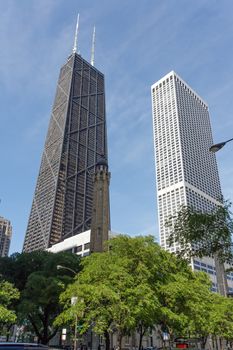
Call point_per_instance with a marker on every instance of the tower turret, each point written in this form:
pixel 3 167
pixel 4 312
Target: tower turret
pixel 100 223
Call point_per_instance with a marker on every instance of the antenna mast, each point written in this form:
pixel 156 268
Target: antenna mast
pixel 76 36
pixel 93 48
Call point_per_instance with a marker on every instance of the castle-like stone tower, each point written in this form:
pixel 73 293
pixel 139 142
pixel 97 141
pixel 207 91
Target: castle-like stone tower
pixel 100 224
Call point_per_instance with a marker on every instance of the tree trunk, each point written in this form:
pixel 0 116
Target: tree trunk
pixel 119 340
pixel 221 276
pixel 8 332
pixel 216 342
pixel 44 336
pixel 140 342
pixel 203 341
pixel 107 340
pixel 141 334
pixel 170 337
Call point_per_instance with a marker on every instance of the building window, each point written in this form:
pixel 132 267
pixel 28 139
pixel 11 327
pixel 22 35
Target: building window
pixel 86 254
pixel 78 249
pixel 87 246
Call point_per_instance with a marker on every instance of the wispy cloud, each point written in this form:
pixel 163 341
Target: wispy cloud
pixel 135 46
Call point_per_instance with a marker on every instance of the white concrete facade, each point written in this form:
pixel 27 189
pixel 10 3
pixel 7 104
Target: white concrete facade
pixel 186 172
pixel 78 244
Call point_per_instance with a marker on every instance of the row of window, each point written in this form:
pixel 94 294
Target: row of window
pixel 78 249
pixel 186 88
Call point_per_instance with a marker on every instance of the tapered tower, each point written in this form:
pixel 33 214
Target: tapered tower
pixel 101 213
pixel 75 142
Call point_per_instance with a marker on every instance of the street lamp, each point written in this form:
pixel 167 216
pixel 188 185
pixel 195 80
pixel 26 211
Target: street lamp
pixel 73 302
pixel 220 269
pixel 216 147
pixel 59 267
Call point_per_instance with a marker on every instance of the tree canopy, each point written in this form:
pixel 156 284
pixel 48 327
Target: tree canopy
pixel 203 234
pixel 134 286
pixel 8 294
pixel 40 284
pixel 222 317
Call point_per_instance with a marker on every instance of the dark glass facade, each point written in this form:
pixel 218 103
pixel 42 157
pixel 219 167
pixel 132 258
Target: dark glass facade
pixel 76 140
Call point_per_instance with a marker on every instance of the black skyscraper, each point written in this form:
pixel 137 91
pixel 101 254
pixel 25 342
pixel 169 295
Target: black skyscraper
pixel 76 140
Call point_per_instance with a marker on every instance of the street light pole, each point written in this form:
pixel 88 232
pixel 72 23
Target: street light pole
pixel 75 332
pixel 59 267
pixel 219 266
pixel 217 146
pixel 73 302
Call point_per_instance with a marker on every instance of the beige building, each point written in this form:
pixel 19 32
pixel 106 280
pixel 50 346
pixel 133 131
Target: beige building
pixel 5 236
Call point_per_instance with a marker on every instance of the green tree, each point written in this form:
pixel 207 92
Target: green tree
pixel 8 294
pixel 121 289
pixel 136 285
pixel 186 304
pixel 18 267
pixel 203 234
pixel 221 315
pixel 108 298
pixel 40 283
pixel 147 260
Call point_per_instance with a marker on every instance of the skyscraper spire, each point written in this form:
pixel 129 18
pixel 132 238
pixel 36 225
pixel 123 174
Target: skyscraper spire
pixel 76 36
pixel 93 48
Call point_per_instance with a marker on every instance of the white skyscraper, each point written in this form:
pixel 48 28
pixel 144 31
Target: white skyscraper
pixel 186 171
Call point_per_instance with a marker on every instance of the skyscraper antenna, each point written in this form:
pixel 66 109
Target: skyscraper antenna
pixel 93 48
pixel 76 36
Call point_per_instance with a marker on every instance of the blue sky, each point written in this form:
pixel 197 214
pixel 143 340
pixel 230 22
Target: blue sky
pixel 137 42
